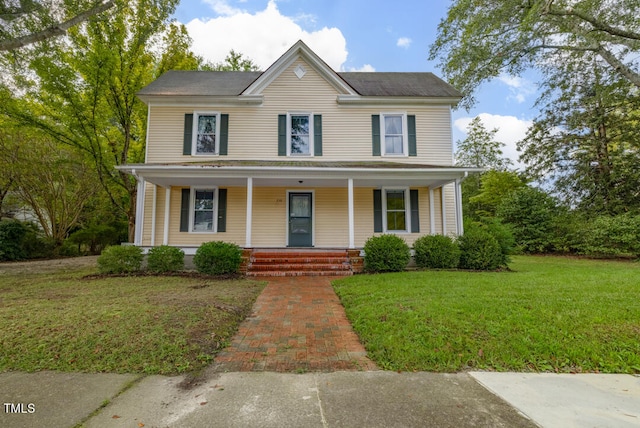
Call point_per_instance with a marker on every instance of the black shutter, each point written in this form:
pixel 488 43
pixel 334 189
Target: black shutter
pixel 411 124
pixel 224 134
pixel 377 210
pixel 222 210
pixel 282 135
pixel 317 135
pixel 184 210
pixel 415 213
pixel 375 134
pixel 188 134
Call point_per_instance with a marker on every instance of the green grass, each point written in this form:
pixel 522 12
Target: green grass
pixel 140 324
pixel 549 314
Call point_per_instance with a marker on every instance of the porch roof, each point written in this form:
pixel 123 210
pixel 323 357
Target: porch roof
pixel 297 173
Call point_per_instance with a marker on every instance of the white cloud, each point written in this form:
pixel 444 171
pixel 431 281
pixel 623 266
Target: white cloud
pixel 222 7
pixel 520 88
pixel 263 36
pixel 510 131
pixel 404 42
pixel 365 68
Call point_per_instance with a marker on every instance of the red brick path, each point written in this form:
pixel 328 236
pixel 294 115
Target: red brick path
pixel 297 324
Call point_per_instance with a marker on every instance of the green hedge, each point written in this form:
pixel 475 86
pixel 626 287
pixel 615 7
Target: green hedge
pixel 218 258
pixel 164 259
pixel 479 250
pixel 436 252
pixel 120 259
pixel 386 253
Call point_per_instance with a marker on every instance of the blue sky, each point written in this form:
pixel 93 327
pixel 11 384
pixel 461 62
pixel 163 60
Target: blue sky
pixel 353 35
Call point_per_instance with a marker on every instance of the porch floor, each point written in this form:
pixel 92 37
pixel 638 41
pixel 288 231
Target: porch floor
pixel 297 324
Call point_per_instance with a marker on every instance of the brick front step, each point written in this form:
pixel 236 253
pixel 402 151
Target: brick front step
pixel 299 266
pixel 299 273
pixel 288 262
pixel 298 260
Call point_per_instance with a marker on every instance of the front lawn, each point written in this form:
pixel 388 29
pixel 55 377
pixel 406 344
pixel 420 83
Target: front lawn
pixel 141 324
pixel 549 314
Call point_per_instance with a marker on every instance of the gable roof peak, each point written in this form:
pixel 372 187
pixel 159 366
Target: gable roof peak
pixel 299 50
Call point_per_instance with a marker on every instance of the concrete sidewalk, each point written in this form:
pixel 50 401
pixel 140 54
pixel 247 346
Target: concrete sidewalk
pixel 339 399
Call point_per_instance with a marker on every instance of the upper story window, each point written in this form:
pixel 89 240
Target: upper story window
pixel 394 134
pixel 206 133
pixel 300 134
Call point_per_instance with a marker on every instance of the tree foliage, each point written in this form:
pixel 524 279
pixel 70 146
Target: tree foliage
pixel 82 90
pixel 234 61
pixel 495 186
pixel 480 149
pixel 53 181
pixel 584 141
pixel 30 21
pixel 479 40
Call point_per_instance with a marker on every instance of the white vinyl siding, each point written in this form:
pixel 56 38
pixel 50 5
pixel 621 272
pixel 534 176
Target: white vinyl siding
pixel 346 130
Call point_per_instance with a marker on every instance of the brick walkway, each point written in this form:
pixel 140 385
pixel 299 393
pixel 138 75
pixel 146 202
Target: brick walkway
pixel 297 324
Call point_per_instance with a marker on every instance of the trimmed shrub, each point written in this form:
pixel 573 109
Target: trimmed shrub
pixel 12 236
pixel 386 253
pixel 165 259
pixel 120 259
pixel 479 250
pixel 218 258
pixel 503 234
pixel 436 252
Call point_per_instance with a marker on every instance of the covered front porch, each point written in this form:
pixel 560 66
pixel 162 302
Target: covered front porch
pixel 294 204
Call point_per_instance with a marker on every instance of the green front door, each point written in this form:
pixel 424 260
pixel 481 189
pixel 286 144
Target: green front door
pixel 300 220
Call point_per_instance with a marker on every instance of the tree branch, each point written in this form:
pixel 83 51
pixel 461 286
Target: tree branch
pixel 619 66
pixel 598 25
pixel 54 31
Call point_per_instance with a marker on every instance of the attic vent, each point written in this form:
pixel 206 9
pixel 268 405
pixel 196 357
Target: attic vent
pixel 300 71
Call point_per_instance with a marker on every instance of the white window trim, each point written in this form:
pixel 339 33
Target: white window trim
pixel 311 134
pixel 192 209
pixel 405 134
pixel 407 209
pixel 194 132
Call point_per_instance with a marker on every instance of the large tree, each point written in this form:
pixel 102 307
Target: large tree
pixel 53 181
pixel 479 149
pixel 585 139
pixel 30 21
pixel 479 40
pixel 83 93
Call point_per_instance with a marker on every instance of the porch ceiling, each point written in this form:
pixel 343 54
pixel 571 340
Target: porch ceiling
pixel 300 175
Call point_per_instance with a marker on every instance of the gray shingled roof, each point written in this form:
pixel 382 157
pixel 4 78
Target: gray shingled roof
pixel 232 83
pixel 208 83
pixel 399 84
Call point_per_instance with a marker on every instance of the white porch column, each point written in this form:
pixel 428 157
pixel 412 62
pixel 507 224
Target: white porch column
pixel 154 208
pixel 352 233
pixel 443 200
pixel 459 221
pixel 167 208
pixel 432 212
pixel 249 212
pixel 137 240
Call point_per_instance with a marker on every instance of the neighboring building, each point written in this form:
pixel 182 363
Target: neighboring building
pixel 296 156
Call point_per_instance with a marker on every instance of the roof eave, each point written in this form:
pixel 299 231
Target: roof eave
pixel 406 100
pixel 201 100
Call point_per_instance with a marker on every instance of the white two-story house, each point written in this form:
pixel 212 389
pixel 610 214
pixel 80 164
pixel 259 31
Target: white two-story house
pixel 297 156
